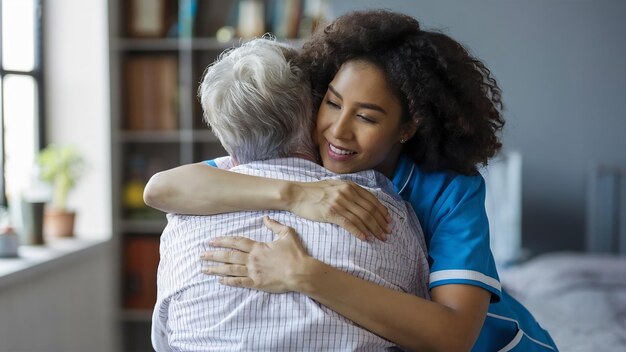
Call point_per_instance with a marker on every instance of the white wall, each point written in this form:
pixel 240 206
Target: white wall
pixel 77 98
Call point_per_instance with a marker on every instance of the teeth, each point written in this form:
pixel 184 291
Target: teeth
pixel 340 151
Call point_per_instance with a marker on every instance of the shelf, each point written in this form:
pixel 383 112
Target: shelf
pixel 173 44
pixel 156 125
pixel 161 44
pixel 205 136
pixel 206 44
pixel 57 253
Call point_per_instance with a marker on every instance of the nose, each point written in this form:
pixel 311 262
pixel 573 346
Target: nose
pixel 342 127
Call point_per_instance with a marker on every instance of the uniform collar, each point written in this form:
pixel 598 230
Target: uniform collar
pixel 403 173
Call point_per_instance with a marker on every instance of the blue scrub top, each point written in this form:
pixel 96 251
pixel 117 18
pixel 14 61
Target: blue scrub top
pixel 451 210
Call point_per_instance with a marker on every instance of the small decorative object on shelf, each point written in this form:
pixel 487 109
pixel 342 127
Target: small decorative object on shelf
pixel 132 191
pixel 9 241
pixel 62 167
pixel 32 222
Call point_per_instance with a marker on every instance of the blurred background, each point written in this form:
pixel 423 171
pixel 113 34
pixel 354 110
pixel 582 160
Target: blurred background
pixel 116 81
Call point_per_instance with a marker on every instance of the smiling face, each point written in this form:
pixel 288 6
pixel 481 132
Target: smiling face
pixel 359 123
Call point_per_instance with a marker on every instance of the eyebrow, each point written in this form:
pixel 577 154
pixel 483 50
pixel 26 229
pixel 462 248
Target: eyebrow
pixel 360 104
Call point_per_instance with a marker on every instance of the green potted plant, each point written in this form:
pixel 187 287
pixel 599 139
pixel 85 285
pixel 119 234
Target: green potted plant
pixel 61 166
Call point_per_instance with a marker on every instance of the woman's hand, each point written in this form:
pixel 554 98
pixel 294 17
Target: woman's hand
pixel 343 203
pixel 274 267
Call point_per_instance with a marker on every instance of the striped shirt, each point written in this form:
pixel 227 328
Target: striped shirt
pixel 195 313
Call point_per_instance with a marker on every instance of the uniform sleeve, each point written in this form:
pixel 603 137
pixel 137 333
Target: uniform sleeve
pixel 224 162
pixel 459 247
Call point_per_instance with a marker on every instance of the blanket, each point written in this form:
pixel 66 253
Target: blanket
pixel 579 298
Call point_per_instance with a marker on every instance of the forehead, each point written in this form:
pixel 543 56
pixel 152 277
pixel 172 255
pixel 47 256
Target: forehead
pixel 364 82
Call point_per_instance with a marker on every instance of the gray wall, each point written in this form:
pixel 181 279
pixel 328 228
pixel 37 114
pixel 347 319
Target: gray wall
pixel 562 67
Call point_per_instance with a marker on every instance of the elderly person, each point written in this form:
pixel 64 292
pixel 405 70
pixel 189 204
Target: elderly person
pixel 258 103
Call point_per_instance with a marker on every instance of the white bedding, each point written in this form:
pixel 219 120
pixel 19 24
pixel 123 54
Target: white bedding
pixel 579 298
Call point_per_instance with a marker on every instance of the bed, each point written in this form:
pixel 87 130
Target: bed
pixel 580 298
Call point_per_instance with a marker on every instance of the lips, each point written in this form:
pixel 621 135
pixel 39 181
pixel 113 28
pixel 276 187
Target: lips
pixel 340 151
pixel 339 154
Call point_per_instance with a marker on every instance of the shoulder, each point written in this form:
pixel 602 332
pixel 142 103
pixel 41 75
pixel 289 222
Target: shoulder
pixel 448 185
pixel 456 188
pixel 290 169
pixel 434 194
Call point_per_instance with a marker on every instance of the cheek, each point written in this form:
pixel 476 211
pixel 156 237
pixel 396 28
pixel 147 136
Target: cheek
pixel 321 124
pixel 378 145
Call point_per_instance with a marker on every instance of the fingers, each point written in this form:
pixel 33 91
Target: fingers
pixel 358 217
pixel 237 282
pixel 361 210
pixel 229 257
pixel 233 242
pixel 227 270
pixel 373 204
pixel 232 275
pixel 353 227
pixel 276 227
pixel 273 225
pixel 373 212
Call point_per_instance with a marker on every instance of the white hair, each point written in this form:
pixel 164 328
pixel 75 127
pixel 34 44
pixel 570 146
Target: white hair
pixel 258 103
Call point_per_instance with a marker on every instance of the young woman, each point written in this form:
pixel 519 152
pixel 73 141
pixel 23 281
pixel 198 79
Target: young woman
pixel 417 107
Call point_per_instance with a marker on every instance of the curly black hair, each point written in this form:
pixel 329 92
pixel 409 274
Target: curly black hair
pixel 450 94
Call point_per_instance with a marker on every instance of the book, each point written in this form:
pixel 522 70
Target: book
pixel 141 261
pixel 148 18
pixel 251 18
pixel 285 18
pixel 150 93
pixel 186 17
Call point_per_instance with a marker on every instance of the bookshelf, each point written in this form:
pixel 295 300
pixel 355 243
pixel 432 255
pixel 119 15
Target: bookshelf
pixel 158 52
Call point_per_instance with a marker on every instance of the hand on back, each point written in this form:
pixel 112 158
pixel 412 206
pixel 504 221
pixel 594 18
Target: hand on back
pixel 343 203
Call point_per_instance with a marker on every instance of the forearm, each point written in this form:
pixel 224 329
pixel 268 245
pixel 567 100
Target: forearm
pixel 200 189
pixel 405 319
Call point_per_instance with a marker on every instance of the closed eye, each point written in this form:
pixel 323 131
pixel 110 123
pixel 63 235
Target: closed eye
pixel 366 119
pixel 332 104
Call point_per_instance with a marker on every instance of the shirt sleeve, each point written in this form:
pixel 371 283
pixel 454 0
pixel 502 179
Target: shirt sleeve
pixel 459 247
pixel 159 335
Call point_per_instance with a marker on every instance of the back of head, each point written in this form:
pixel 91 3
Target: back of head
pixel 447 92
pixel 258 102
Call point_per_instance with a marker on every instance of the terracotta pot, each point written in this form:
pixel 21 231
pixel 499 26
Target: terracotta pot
pixel 58 223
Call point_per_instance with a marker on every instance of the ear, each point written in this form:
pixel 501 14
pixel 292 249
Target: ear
pixel 408 131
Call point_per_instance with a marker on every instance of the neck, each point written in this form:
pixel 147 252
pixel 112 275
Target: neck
pixel 388 166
